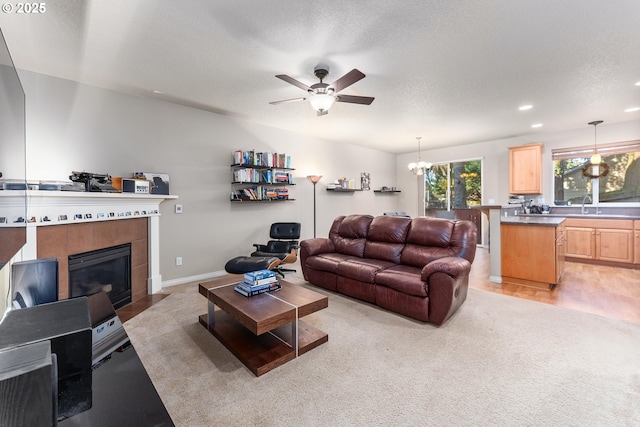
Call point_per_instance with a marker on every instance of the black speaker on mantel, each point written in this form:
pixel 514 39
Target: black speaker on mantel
pixel 66 325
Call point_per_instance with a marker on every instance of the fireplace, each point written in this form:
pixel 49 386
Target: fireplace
pixel 103 270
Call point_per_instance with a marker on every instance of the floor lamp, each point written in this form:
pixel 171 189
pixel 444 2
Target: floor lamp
pixel 314 180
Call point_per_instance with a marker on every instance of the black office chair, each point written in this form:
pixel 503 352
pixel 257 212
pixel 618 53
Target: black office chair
pixel 285 247
pixel 282 250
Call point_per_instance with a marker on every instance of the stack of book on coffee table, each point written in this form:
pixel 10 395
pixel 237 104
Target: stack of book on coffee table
pixel 257 282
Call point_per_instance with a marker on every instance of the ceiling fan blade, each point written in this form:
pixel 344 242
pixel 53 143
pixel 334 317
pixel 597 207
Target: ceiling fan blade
pixel 284 101
pixel 352 99
pixel 293 81
pixel 347 80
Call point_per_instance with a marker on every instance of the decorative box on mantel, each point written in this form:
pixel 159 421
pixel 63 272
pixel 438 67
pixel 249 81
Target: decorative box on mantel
pixel 54 208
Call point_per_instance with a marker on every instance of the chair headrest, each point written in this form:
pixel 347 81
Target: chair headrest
pixel 285 230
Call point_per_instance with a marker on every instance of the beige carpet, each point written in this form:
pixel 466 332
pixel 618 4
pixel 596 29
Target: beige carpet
pixel 499 361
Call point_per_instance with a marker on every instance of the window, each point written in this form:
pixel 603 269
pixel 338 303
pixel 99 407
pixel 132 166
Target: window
pixel 620 185
pixel 450 186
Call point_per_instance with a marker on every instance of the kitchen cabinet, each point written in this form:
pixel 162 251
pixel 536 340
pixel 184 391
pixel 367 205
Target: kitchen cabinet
pixel 561 250
pixel 532 254
pixel 636 239
pixel 601 239
pixel 581 242
pixel 525 169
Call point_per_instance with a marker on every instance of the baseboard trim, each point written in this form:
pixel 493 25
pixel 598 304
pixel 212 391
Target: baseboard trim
pixel 196 278
pixel 495 279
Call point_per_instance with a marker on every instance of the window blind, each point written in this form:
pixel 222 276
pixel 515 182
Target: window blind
pixel 603 149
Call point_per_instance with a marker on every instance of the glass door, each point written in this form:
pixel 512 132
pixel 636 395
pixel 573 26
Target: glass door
pixel 452 186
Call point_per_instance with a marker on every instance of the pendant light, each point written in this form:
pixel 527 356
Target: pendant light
pixel 596 159
pixel 596 168
pixel 418 167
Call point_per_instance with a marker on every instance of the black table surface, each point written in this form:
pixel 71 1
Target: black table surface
pixel 123 395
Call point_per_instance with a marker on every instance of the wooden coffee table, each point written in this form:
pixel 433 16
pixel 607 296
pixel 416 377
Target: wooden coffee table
pixel 263 331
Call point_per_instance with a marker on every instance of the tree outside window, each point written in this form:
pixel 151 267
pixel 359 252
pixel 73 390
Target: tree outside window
pixel 620 185
pixel 455 185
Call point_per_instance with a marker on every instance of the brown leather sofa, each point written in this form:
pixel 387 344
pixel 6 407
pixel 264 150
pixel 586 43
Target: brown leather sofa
pixel 416 267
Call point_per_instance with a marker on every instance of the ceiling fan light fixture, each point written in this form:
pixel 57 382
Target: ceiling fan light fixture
pixel 323 95
pixel 321 102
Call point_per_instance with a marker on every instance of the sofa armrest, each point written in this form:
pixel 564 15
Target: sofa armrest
pixel 316 246
pixel 448 282
pixel 453 266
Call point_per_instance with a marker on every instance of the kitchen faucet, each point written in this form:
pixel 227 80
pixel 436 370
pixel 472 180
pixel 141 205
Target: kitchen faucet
pixel 586 196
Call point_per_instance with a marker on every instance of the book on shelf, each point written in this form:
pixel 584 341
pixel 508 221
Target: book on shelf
pixel 251 292
pixel 264 159
pixel 282 193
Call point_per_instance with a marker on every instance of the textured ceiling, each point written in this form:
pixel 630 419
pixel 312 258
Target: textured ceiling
pixel 451 71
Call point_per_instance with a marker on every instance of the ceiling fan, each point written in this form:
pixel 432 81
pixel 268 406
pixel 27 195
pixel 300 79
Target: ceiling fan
pixel 323 95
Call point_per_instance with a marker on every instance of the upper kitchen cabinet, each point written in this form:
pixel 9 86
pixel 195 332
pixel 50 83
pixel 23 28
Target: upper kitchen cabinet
pixel 525 169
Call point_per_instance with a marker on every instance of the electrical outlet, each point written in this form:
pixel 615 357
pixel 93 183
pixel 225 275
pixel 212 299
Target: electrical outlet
pixel 178 209
pixel 179 260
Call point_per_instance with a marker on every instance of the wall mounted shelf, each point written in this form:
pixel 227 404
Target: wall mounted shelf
pixel 262 201
pixel 263 182
pixel 344 190
pixel 387 191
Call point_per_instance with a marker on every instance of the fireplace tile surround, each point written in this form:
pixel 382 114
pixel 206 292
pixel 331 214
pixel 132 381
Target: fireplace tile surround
pixel 107 219
pixel 70 239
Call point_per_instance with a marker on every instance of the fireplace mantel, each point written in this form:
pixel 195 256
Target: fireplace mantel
pixel 52 208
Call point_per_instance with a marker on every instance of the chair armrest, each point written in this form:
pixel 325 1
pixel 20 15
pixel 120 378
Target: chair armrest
pixel 260 247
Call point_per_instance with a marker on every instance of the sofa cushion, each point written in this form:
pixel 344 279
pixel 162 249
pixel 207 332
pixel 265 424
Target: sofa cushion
pixel 352 235
pixel 362 269
pixel 386 238
pixel 427 239
pixel 327 262
pixel 403 278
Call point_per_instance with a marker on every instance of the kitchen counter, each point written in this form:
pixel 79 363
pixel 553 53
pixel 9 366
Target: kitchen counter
pixel 543 220
pixel 533 250
pixel 591 216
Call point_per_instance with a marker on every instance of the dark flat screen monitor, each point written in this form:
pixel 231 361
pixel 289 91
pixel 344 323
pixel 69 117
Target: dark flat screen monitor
pixel 34 282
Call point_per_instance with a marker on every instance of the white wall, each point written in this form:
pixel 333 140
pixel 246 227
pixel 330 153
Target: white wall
pixel 71 126
pixel 495 155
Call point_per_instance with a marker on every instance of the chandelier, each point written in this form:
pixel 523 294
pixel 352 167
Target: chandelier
pixel 418 167
pixel 595 168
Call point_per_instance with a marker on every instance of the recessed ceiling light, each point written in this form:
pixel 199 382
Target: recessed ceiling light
pixel 537 125
pixel 632 109
pixel 525 107
pixel 157 91
pixel 638 84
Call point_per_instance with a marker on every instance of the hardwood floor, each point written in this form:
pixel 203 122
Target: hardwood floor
pixel 607 291
pixel 129 311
